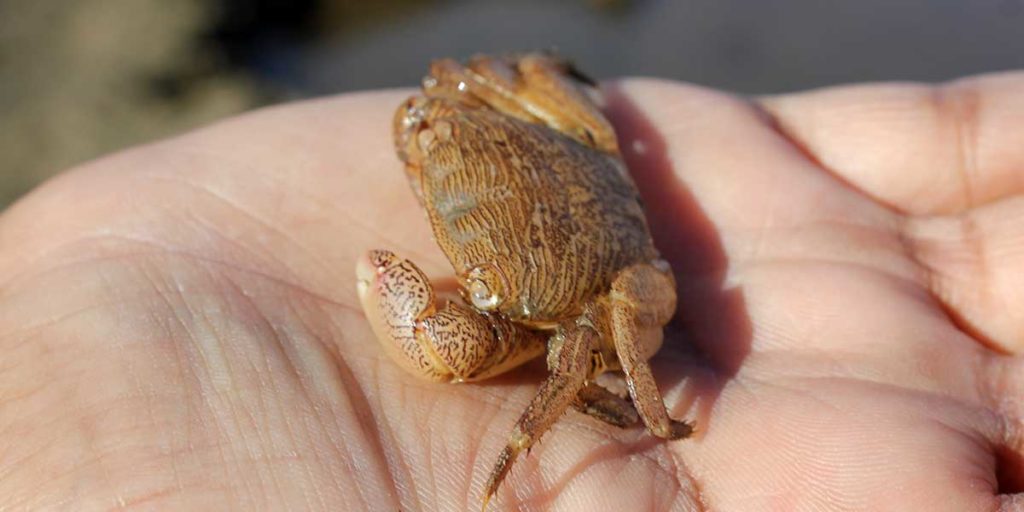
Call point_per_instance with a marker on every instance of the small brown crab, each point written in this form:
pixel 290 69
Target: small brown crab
pixel 523 184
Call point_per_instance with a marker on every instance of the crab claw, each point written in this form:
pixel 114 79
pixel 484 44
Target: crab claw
pixel 452 343
pixel 396 296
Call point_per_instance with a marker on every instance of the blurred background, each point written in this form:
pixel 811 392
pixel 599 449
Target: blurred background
pixel 80 78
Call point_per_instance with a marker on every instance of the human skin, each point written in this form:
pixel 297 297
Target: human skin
pixel 179 326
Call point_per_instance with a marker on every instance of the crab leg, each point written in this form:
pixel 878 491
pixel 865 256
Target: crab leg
pixel 532 88
pixel 453 342
pixel 551 90
pixel 596 401
pixel 642 300
pixel 569 352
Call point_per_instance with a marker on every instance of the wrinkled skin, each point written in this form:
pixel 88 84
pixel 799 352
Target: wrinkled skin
pixel 528 197
pixel 180 329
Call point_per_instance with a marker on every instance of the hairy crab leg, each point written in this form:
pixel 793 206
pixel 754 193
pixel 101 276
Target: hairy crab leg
pixel 569 353
pixel 642 300
pixel 450 343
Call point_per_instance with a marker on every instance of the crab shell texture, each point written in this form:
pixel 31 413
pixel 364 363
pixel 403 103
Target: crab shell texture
pixel 535 221
pixel 521 179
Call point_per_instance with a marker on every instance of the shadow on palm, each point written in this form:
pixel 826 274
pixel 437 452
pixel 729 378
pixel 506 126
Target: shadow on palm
pixel 711 332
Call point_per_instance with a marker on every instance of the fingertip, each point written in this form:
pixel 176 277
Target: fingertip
pixel 919 148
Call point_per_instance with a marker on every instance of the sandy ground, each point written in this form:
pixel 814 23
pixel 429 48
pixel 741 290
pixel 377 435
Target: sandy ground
pixel 82 78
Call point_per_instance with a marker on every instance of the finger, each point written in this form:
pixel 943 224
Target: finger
pixel 725 152
pixel 718 178
pixel 918 148
pixel 975 261
pixel 733 203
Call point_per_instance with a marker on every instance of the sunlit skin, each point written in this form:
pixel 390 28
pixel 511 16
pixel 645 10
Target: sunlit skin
pixel 180 327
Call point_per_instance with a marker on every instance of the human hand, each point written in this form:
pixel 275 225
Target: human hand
pixel 180 330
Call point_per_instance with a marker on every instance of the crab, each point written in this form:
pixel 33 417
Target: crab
pixel 523 184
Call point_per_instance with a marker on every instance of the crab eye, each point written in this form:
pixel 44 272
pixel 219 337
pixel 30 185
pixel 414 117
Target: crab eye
pixel 485 287
pixel 482 296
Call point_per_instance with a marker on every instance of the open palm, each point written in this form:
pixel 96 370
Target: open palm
pixel 179 327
